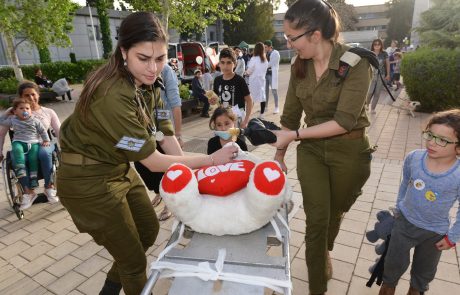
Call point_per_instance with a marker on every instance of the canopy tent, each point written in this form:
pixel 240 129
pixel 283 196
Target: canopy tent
pixel 243 45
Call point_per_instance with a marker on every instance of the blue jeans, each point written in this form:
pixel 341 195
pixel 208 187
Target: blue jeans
pixel 45 158
pixel 268 84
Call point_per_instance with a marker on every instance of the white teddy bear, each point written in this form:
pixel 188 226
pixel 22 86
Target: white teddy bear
pixel 236 198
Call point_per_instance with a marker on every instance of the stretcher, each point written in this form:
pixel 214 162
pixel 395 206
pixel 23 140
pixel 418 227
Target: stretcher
pixel 227 264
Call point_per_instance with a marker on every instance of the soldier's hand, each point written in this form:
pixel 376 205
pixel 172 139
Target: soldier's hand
pixel 225 154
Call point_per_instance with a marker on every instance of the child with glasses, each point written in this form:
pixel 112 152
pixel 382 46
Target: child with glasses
pixel 429 189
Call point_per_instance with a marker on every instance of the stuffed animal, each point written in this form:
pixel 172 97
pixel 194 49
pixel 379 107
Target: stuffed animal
pixel 382 230
pixel 236 198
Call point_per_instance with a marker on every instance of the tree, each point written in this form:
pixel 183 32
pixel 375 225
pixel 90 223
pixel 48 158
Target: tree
pixel 345 11
pixel 346 14
pixel 440 25
pixel 104 23
pixel 255 25
pixel 400 13
pixel 187 15
pixel 44 55
pixel 102 6
pixel 42 22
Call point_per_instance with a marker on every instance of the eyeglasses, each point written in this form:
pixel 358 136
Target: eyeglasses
pixel 293 39
pixel 428 136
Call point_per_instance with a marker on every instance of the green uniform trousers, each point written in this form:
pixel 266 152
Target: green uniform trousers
pixel 331 174
pixel 111 204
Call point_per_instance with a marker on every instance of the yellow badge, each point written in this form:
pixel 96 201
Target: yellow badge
pixel 430 196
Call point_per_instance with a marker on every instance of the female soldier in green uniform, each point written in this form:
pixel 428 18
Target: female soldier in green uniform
pixel 333 157
pixel 114 123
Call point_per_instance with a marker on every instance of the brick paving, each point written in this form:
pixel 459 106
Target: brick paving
pixel 45 254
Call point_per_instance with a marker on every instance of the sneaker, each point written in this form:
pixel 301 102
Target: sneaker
pixel 261 116
pixel 276 111
pixel 50 193
pixel 27 201
pixel 204 115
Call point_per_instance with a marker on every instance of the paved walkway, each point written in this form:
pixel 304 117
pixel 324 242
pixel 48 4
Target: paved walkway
pixel 45 254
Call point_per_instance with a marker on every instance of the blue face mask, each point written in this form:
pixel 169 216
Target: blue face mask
pixel 223 134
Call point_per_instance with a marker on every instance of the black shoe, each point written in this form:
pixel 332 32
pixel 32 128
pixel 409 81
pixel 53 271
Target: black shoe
pixel 205 115
pixel 110 288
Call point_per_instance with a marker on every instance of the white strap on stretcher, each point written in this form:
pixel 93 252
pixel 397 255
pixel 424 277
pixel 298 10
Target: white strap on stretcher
pixel 205 272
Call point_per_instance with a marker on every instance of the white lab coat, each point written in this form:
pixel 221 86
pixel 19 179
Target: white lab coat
pixel 274 63
pixel 256 71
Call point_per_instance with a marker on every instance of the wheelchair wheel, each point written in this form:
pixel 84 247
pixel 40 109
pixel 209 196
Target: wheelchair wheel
pixel 14 188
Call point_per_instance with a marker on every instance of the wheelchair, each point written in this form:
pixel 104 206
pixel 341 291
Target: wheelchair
pixel 14 189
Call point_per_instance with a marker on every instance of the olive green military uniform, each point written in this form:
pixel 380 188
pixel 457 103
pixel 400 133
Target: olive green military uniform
pixel 103 194
pixel 332 170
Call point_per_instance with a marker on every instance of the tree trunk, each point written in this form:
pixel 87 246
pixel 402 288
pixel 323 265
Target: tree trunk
pixel 165 15
pixel 13 57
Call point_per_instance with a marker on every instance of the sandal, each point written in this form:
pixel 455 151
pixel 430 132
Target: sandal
pixel 156 200
pixel 165 214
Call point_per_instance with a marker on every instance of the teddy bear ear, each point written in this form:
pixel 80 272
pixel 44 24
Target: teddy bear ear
pixel 372 236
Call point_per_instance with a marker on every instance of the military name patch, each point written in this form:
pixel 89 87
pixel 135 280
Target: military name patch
pixel 130 144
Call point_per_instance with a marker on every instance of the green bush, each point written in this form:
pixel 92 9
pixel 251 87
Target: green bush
pixel 75 72
pixel 184 91
pixel 8 85
pixel 432 77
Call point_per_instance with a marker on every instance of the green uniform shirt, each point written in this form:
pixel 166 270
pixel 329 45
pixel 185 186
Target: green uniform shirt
pixel 114 133
pixel 329 98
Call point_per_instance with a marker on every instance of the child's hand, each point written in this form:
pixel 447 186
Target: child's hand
pixel 46 143
pixel 444 244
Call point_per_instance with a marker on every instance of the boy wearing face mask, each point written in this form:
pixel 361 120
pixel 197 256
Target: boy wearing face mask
pixel 221 120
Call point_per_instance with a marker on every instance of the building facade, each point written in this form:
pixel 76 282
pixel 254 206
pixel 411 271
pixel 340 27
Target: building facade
pixel 372 18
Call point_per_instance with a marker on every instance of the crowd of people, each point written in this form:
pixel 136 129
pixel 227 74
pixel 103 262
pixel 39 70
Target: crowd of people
pixel 130 111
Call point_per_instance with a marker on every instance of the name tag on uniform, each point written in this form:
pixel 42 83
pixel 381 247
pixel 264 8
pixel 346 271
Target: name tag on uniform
pixel 164 114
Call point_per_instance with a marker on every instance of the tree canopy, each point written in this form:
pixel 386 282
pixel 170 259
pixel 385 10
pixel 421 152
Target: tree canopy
pixel 400 13
pixel 42 22
pixel 189 15
pixel 255 25
pixel 440 25
pixel 345 11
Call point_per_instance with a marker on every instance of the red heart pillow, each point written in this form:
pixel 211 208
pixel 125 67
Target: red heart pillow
pixel 223 180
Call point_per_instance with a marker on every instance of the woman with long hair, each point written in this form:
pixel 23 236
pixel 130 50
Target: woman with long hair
pixel 115 122
pixel 384 66
pixel 333 157
pixel 49 119
pixel 257 68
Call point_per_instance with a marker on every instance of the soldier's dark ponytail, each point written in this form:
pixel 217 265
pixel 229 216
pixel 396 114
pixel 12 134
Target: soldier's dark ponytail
pixel 137 27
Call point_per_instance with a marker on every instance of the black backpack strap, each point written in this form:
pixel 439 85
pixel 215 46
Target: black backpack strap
pixel 347 61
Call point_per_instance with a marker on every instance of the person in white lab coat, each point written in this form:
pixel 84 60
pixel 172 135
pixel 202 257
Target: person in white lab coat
pixel 256 71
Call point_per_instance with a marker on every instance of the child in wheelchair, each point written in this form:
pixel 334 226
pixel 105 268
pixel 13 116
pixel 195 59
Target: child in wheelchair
pixel 26 141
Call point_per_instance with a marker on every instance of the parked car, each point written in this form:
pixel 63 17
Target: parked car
pixel 190 52
pixel 176 58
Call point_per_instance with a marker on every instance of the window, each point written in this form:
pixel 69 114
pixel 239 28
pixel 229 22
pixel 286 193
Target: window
pixel 97 32
pixel 278 22
pixel 212 36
